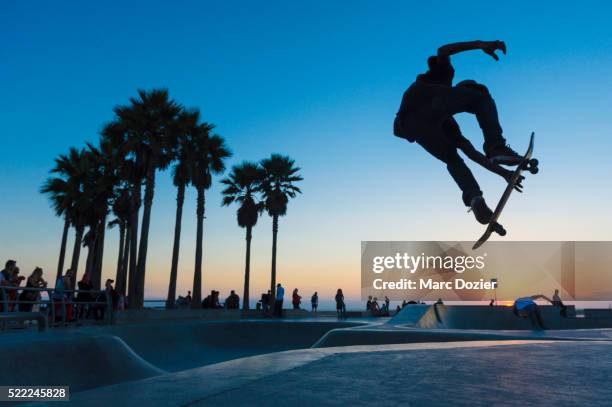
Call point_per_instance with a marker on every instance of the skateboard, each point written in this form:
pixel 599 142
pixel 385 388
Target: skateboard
pixel 527 163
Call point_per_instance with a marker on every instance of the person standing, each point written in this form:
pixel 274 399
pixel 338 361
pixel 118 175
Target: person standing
pixel 27 297
pixel 314 302
pixel 278 303
pixel 14 282
pixel 265 302
pixel 556 301
pixel 84 297
pixel 296 299
pixel 340 306
pixel 5 279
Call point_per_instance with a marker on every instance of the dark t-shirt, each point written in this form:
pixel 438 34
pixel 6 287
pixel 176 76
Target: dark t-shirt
pixel 440 72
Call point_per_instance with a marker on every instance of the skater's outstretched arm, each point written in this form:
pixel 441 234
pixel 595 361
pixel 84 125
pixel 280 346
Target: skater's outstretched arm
pixel 476 156
pixel 489 47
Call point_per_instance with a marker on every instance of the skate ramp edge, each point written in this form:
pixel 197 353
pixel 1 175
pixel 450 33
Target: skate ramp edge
pixel 82 362
pixel 199 343
pixel 410 314
pixel 502 318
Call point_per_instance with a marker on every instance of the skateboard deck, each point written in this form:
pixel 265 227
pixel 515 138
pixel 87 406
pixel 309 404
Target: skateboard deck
pixel 522 166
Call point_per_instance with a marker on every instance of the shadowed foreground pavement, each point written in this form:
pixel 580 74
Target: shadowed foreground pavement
pixel 474 374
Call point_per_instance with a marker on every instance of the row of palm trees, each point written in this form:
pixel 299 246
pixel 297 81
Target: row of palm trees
pixel 152 133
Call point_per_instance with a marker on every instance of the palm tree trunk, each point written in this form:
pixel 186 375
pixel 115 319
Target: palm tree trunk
pixel 197 273
pixel 119 273
pixel 273 279
pixel 135 208
pixel 76 251
pixel 247 270
pixel 180 198
pixel 124 267
pixel 99 256
pixel 62 256
pixel 144 237
pixel 91 253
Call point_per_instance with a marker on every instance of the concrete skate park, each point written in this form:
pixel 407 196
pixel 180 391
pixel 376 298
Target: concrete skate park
pixel 426 354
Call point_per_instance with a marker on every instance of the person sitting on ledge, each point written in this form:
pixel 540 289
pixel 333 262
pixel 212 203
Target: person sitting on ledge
pixel 525 307
pixel 233 301
pixel 556 301
pixel 208 301
pixel 265 301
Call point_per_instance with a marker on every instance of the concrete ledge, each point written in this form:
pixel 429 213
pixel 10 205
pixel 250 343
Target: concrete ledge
pixel 154 314
pixel 40 319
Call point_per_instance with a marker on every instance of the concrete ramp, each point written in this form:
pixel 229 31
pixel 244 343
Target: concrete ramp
pixel 188 344
pixel 83 362
pixel 409 315
pixel 502 318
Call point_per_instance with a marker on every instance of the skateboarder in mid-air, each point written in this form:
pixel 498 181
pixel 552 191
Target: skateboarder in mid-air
pixel 426 116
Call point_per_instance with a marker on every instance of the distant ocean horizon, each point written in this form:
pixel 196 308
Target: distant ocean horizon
pixel 358 305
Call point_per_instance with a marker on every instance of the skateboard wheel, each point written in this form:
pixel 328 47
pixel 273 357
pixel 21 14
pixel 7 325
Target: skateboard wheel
pixel 534 162
pixel 534 170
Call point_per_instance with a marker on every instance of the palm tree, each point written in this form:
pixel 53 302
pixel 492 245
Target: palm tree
pixel 181 177
pixel 150 122
pixel 99 189
pixel 130 169
pixel 61 198
pixel 242 184
pixel 277 187
pixel 72 169
pixel 210 153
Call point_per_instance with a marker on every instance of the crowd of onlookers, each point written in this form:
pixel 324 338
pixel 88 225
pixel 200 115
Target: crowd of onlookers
pixel 89 303
pixel 62 301
pixel 275 306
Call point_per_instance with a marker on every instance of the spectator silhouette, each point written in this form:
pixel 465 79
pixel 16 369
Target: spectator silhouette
pixel 296 299
pixel 340 306
pixel 233 301
pixel 278 302
pixel 556 301
pixel 35 280
pixel 314 302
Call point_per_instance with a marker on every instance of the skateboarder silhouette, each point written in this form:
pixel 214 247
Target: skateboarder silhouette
pixel 426 116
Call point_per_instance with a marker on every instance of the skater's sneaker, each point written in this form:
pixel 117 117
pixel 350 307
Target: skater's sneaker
pixel 503 154
pixel 481 211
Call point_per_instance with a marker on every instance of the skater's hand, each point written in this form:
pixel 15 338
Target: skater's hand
pixel 489 48
pixel 518 185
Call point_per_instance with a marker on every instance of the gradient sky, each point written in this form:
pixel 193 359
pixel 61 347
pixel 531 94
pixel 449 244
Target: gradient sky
pixel 320 81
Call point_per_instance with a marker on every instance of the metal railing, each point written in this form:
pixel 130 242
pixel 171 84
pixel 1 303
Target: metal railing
pixel 59 303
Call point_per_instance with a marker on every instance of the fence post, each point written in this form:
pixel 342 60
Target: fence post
pixel 4 305
pixel 4 300
pixel 52 306
pixel 63 309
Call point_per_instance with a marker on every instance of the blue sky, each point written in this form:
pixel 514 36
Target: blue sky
pixel 321 82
